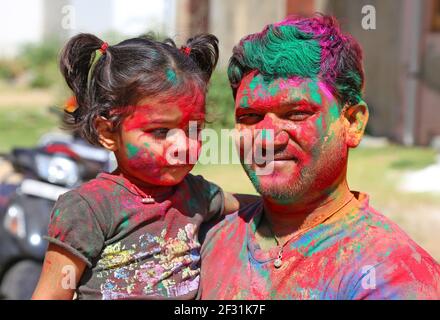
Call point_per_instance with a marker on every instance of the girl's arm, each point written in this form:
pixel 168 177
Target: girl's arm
pixel 60 275
pixel 233 202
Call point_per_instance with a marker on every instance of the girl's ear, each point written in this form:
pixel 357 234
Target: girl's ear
pixel 356 118
pixel 107 137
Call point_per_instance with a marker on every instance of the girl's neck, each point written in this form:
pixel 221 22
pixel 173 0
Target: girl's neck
pixel 145 187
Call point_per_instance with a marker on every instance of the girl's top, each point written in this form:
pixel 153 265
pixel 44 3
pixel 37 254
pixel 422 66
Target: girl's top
pixel 135 249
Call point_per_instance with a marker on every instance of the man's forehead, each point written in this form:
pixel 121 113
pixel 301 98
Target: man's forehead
pixel 256 88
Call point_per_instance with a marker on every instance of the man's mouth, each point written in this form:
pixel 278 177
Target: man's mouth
pixel 285 158
pixel 278 159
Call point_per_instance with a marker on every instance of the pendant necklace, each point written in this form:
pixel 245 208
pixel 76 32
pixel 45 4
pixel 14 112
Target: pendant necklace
pixel 278 262
pixel 146 198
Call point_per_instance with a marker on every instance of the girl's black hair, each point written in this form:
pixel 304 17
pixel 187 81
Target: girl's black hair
pixel 128 72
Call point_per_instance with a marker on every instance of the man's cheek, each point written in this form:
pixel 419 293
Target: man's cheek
pixel 244 142
pixel 306 134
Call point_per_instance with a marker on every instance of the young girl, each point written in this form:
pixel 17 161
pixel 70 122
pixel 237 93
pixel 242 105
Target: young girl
pixel 133 233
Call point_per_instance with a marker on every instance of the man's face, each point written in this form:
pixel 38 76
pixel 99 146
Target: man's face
pixel 310 149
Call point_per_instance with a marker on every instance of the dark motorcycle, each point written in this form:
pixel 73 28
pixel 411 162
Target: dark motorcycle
pixel 58 164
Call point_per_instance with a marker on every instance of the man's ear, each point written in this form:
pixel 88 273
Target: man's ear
pixel 107 137
pixel 356 118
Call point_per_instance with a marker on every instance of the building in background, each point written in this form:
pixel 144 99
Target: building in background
pixel 402 65
pixel 402 55
pixel 24 21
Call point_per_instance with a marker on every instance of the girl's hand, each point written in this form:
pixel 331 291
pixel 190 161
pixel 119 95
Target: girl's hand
pixel 60 275
pixel 233 202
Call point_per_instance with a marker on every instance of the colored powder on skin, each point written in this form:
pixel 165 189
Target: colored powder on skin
pixel 334 111
pixel 314 93
pixel 252 176
pixel 319 125
pixel 147 145
pixel 263 87
pixel 283 52
pixel 273 90
pixel 265 135
pixel 245 102
pixel 254 83
pixel 132 150
pixel 171 76
pixel 57 213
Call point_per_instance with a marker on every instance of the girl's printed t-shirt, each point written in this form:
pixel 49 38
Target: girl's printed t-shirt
pixel 135 250
pixel 359 254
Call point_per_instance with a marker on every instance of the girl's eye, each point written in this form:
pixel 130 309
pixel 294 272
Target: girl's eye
pixel 249 118
pixel 160 133
pixel 298 115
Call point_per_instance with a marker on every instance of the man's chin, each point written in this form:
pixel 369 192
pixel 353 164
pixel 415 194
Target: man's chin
pixel 279 184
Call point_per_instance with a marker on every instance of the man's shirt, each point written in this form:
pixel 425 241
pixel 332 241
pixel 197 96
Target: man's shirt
pixel 358 254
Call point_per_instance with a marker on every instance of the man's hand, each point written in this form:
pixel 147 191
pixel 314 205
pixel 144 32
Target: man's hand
pixel 233 202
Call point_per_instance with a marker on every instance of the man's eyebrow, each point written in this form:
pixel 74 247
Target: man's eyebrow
pixel 261 105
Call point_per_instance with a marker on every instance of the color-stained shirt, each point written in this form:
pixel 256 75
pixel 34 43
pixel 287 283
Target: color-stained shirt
pixel 358 255
pixel 135 250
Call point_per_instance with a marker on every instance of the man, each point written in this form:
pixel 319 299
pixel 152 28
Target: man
pixel 310 237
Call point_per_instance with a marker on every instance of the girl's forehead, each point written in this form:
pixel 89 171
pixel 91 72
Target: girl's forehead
pixel 173 113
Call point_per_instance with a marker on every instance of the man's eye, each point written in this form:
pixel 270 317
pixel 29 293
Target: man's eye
pixel 160 133
pixel 298 115
pixel 195 128
pixel 249 118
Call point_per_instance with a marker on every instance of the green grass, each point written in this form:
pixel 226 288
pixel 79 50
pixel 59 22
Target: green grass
pixel 22 127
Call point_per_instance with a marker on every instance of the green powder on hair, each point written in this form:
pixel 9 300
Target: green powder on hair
pixel 284 51
pixel 171 76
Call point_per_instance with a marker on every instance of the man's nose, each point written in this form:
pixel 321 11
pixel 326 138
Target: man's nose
pixel 272 134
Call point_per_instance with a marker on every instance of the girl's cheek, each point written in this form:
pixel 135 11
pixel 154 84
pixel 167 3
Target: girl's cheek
pixel 143 155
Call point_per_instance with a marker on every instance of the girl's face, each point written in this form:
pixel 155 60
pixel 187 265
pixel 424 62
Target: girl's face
pixel 159 143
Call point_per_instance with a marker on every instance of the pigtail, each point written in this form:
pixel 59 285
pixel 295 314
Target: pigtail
pixel 76 60
pixel 203 50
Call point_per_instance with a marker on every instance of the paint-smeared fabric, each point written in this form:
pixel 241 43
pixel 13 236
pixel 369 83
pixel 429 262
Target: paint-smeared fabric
pixel 360 254
pixel 135 250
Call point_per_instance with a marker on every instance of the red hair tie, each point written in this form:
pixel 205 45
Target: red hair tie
pixel 186 50
pixel 104 47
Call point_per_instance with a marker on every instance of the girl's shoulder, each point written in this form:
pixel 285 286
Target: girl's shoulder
pixel 103 184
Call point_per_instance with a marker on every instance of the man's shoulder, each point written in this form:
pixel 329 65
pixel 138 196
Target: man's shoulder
pixel 374 239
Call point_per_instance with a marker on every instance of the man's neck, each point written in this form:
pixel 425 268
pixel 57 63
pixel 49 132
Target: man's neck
pixel 283 220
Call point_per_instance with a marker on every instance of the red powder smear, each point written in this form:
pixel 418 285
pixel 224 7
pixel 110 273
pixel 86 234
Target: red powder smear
pixel 187 104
